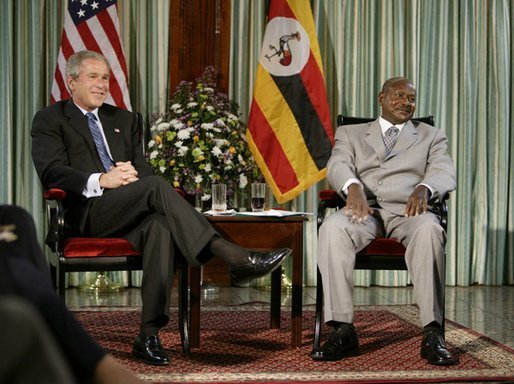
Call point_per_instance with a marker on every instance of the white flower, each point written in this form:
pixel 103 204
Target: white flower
pixel 209 89
pixel 182 151
pixel 175 106
pixel 198 179
pixel 154 154
pixel 207 126
pixel 183 134
pixel 162 169
pixel 151 143
pixel 209 108
pixel 208 167
pixel 221 123
pixel 192 104
pixel 177 124
pixel 206 197
pixel 220 142
pixel 231 116
pixel 216 151
pixel 243 180
pixel 163 126
pixel 178 144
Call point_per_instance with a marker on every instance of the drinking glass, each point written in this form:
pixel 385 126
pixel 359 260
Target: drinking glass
pixel 258 196
pixel 219 197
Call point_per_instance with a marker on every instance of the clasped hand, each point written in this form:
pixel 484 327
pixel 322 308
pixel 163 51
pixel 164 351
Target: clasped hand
pixel 122 173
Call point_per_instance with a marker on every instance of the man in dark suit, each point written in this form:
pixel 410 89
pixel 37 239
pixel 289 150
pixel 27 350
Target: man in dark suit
pixel 94 152
pixel 39 320
pixel 389 171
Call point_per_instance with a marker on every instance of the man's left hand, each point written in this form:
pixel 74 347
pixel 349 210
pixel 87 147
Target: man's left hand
pixel 417 202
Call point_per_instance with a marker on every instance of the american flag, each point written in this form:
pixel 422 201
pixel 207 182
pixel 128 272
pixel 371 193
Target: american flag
pixel 93 25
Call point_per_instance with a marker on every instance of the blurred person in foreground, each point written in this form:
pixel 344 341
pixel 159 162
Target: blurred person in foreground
pixel 40 339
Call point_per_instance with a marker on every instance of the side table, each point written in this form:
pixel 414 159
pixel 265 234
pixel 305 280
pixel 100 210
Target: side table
pixel 260 232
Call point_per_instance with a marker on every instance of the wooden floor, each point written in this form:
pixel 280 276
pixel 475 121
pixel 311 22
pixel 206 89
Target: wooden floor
pixel 487 310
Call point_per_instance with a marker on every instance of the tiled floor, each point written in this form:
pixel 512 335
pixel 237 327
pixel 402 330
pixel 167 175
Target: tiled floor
pixel 487 310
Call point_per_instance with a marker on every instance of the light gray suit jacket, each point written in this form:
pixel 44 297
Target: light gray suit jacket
pixel 419 156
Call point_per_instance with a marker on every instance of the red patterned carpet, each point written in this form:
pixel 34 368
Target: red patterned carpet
pixel 237 346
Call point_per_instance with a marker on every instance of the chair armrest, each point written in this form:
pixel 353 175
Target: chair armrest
pixel 55 218
pixel 328 198
pixel 54 194
pixel 440 208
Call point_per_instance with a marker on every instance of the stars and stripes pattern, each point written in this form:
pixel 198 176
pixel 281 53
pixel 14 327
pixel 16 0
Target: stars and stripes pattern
pixel 93 25
pixel 289 129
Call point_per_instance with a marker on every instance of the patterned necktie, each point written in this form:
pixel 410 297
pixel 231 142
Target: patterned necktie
pixel 390 137
pixel 99 141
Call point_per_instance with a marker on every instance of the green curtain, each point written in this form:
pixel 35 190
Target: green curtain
pixel 459 55
pixel 457 52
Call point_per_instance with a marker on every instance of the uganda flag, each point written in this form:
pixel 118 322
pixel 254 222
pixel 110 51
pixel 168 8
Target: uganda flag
pixel 289 129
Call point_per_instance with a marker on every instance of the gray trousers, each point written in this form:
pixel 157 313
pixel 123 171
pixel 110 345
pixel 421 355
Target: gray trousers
pixel 340 239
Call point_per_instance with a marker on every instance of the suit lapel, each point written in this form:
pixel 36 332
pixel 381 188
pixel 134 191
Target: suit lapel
pixel 78 123
pixel 374 138
pixel 113 134
pixel 407 137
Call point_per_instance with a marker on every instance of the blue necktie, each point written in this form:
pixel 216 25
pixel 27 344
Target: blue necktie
pixel 390 137
pixel 99 141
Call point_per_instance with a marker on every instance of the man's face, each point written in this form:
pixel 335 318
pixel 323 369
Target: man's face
pixel 90 89
pixel 398 102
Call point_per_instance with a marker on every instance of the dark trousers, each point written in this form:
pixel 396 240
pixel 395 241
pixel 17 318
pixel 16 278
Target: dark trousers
pixel 160 224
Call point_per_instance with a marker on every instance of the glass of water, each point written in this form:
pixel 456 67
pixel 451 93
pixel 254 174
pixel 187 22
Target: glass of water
pixel 258 196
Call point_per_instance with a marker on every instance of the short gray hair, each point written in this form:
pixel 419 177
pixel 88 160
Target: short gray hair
pixel 393 80
pixel 74 63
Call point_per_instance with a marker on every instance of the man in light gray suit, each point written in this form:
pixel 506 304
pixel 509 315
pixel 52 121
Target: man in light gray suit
pixel 389 171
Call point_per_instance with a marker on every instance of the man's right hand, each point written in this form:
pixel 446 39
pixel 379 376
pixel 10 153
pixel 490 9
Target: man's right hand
pixel 356 203
pixel 122 173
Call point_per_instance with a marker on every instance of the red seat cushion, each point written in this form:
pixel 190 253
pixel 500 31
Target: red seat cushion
pixel 384 246
pixel 98 247
pixel 54 194
pixel 327 194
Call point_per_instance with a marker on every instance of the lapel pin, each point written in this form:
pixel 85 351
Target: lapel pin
pixel 117 130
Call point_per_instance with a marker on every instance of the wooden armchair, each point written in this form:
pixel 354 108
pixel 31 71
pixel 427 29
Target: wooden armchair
pixel 81 254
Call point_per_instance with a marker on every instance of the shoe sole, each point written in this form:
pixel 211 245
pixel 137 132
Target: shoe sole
pixel 142 358
pixel 347 353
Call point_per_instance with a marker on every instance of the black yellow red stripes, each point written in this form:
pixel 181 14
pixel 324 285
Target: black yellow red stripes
pixel 289 130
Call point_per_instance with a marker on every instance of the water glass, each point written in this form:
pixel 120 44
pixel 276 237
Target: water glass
pixel 258 196
pixel 219 197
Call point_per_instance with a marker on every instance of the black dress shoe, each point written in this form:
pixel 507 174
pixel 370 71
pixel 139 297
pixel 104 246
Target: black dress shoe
pixel 150 350
pixel 258 265
pixel 342 342
pixel 434 350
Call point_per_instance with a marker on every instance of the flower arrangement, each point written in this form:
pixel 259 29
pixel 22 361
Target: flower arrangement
pixel 200 140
